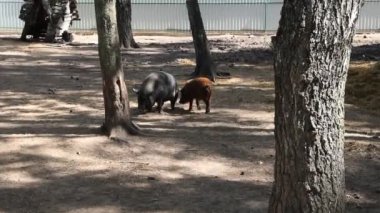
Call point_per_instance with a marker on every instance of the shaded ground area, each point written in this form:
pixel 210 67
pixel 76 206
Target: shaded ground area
pixel 52 158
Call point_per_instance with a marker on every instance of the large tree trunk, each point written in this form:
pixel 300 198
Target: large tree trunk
pixel 124 23
pixel 311 58
pixel 117 117
pixel 204 64
pixel 35 21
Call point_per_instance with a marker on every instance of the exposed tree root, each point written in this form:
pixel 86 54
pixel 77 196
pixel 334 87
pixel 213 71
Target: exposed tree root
pixel 132 128
pixel 122 131
pixel 129 45
pixel 134 44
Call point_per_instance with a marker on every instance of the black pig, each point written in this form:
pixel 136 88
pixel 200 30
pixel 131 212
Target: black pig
pixel 157 87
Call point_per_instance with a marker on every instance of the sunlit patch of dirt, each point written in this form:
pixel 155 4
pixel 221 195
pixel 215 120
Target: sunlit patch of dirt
pixel 363 85
pixel 185 61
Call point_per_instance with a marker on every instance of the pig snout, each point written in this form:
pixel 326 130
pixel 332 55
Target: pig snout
pixel 184 97
pixel 145 103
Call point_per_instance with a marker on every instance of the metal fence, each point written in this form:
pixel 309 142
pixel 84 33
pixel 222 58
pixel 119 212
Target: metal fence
pixel 218 15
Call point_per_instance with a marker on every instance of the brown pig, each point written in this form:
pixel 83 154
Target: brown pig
pixel 198 89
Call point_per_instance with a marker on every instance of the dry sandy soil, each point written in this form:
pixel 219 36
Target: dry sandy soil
pixel 53 159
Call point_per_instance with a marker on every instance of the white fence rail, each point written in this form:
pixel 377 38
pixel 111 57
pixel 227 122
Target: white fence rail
pixel 218 15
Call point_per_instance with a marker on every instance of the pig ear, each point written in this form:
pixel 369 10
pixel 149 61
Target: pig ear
pixel 135 90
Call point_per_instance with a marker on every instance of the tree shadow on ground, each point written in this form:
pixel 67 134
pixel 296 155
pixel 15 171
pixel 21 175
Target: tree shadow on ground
pixel 44 100
pixel 362 175
pixel 57 98
pixel 366 52
pixel 133 193
pixel 222 133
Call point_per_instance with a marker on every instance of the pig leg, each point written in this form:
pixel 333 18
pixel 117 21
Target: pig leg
pixel 198 107
pixel 159 105
pixel 207 99
pixel 207 102
pixel 172 102
pixel 149 109
pixel 191 105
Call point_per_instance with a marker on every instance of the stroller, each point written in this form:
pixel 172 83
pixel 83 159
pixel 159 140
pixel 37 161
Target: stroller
pixel 48 22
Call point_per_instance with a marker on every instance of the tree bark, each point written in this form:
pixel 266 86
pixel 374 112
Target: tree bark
pixel 204 63
pixel 311 57
pixel 117 116
pixel 124 23
pixel 56 14
pixel 35 21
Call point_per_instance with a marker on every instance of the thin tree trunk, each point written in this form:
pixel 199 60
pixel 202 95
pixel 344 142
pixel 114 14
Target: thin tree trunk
pixel 117 117
pixel 204 63
pixel 312 53
pixel 124 23
pixel 56 14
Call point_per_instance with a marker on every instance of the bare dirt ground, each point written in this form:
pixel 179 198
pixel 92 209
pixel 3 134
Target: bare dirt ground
pixel 53 159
